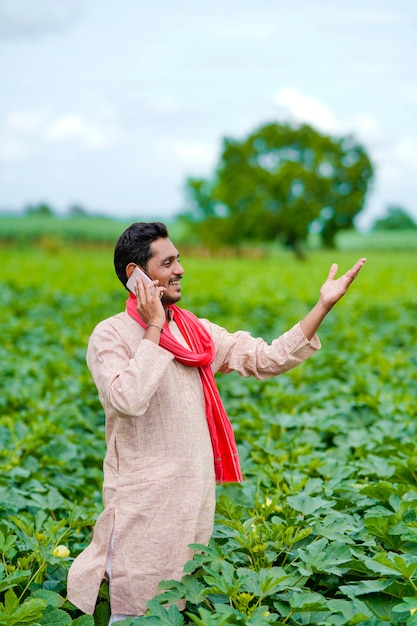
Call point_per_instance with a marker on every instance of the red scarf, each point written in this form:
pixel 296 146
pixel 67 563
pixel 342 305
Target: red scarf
pixel 201 355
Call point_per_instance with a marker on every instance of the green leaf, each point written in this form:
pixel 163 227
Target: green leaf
pixel 337 527
pixel 55 617
pixel 84 620
pixel 192 590
pixel 167 617
pixel 407 604
pixel 51 597
pixel 11 602
pixel 102 614
pixel 393 565
pixel 382 606
pixel 365 587
pixel 29 612
pixel 307 601
pixel 308 504
pixel 412 620
pixel 354 612
pixel 375 465
pixel 7 544
pixel 320 556
pixel 266 582
pixel 14 579
pixel 208 618
pixel 222 582
pixel 188 588
pixel 261 616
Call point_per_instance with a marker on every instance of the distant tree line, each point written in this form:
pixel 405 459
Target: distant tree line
pixel 45 210
pixel 396 218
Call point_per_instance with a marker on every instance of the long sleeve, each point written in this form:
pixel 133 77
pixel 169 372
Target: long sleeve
pixel 252 356
pixel 126 375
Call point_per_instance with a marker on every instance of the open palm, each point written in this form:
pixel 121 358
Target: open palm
pixel 334 288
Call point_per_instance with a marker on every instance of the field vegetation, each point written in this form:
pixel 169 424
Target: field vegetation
pixel 48 228
pixel 323 529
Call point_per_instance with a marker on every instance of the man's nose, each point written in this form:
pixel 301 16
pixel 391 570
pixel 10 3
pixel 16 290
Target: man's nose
pixel 179 268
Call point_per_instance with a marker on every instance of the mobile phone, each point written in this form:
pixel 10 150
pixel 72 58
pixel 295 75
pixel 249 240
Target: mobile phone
pixel 138 273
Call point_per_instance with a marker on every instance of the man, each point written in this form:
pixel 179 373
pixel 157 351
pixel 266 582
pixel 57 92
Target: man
pixel 168 436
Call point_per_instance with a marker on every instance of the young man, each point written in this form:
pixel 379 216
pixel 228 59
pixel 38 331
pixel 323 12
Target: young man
pixel 168 436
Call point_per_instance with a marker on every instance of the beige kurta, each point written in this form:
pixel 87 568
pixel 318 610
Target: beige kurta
pixel 159 484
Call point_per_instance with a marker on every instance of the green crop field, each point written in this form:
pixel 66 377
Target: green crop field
pixel 323 530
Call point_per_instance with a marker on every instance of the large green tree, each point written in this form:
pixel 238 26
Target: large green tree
pixel 278 183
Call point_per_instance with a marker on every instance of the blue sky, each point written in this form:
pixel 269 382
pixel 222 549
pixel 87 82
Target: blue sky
pixel 111 105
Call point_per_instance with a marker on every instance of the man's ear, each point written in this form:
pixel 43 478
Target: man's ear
pixel 129 269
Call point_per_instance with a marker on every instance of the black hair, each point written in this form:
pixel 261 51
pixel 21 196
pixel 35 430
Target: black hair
pixel 134 246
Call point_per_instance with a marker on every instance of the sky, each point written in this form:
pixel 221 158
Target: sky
pixel 112 105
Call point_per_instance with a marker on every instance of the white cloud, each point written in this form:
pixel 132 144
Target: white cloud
pixel 304 108
pixel 366 126
pixel 25 131
pixel 190 154
pixel 165 106
pixel 396 166
pixel 195 152
pixel 404 152
pixel 93 135
pixel 26 122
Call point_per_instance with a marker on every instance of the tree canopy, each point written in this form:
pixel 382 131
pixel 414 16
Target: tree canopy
pixel 279 183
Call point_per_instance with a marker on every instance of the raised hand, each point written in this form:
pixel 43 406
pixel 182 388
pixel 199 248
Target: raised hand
pixel 330 293
pixel 334 288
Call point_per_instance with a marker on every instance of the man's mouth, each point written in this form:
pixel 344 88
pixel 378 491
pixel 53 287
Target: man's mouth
pixel 174 283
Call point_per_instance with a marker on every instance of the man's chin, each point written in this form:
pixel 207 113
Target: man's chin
pixel 169 299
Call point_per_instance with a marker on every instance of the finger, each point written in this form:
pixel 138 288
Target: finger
pixel 137 287
pixel 149 289
pixel 333 271
pixel 359 264
pixel 353 272
pixel 140 290
pixel 144 290
pixel 159 292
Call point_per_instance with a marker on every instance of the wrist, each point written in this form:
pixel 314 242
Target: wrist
pixel 157 326
pixel 323 307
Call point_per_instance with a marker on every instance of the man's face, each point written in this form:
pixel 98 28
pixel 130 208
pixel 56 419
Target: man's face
pixel 164 265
